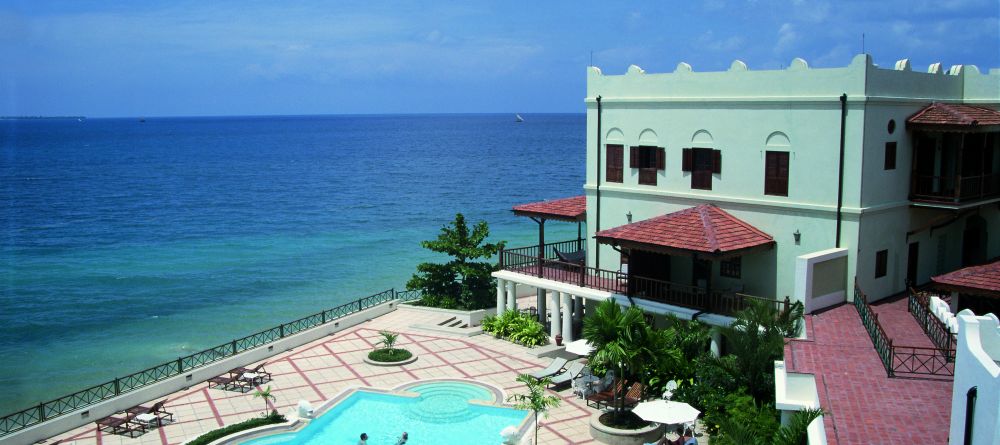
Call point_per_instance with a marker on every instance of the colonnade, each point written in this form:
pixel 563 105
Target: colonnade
pixel 567 309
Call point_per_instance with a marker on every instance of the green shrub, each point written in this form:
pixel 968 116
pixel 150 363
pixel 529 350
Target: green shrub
pixel 516 327
pixel 389 355
pixel 213 435
pixel 709 389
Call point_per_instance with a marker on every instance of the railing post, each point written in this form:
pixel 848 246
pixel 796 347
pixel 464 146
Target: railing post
pixel 234 346
pixel 118 388
pixel 500 261
pixel 323 317
pixel 583 274
pixel 281 330
pixel 359 305
pixel 41 412
pixel 180 366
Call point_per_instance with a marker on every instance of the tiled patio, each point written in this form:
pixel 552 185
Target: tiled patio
pixel 863 405
pixel 319 370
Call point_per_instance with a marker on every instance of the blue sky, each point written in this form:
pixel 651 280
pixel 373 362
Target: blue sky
pixel 151 58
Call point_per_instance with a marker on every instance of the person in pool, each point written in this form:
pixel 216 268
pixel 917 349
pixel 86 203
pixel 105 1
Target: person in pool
pixel 402 439
pixel 364 439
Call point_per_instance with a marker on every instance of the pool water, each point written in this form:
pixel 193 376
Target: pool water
pixel 442 414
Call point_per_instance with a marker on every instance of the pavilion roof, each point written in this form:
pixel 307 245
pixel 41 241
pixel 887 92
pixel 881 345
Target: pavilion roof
pixel 979 280
pixel 954 116
pixel 705 229
pixel 565 209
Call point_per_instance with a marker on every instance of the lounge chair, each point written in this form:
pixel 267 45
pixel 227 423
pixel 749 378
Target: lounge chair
pixel 156 409
pixel 253 376
pixel 118 425
pixel 554 367
pixel 573 371
pixel 605 396
pixel 576 258
pixel 634 395
pixel 223 382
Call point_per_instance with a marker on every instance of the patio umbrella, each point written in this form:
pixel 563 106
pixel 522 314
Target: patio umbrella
pixel 666 412
pixel 579 347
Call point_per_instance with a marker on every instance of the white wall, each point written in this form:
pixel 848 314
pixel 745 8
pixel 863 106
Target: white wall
pixel 976 365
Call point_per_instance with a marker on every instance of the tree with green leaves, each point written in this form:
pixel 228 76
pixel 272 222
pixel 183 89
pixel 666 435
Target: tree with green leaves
pixel 735 431
pixel 625 343
pixel 755 340
pixel 535 400
pixel 266 395
pixel 388 339
pixel 463 282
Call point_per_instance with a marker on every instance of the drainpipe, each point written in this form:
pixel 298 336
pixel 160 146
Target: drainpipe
pixel 840 181
pixel 597 216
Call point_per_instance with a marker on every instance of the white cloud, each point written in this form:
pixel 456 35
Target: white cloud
pixel 787 38
pixel 709 41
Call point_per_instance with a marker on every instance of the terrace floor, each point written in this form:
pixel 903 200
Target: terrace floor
pixel 320 370
pixel 864 405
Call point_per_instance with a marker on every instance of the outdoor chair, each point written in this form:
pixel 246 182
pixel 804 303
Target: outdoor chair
pixel 252 376
pixel 156 410
pixel 226 382
pixel 634 395
pixel 605 396
pixel 573 371
pixel 554 367
pixel 118 425
pixel 577 258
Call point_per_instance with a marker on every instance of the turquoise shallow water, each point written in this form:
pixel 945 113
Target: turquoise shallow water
pixel 126 244
pixel 441 414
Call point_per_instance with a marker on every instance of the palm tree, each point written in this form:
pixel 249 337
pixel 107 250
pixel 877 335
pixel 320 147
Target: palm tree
pixel 535 400
pixel 266 395
pixel 755 340
pixel 623 342
pixel 388 339
pixel 733 432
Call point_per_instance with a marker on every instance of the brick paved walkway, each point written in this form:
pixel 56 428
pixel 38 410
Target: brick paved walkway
pixel 864 406
pixel 319 370
pixel 899 323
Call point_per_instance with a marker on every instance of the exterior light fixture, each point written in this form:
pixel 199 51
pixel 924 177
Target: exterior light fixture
pixel 797 235
pixel 628 216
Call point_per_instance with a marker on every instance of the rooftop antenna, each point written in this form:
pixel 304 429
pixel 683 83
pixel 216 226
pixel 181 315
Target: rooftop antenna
pixel 862 43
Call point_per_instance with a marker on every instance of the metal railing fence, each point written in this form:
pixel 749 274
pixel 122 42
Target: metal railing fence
pixel 98 393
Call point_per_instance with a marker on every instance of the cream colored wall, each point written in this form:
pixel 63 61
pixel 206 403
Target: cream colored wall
pixel 736 111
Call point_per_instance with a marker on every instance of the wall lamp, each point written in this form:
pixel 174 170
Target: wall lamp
pixel 628 216
pixel 797 235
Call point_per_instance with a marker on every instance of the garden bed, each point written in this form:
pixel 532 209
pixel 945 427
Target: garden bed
pixel 390 357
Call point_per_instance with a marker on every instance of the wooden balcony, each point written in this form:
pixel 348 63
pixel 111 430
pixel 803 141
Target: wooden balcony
pixel 954 189
pixel 526 260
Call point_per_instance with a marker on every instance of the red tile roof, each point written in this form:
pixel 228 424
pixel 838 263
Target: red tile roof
pixel 705 228
pixel 982 280
pixel 954 115
pixel 565 209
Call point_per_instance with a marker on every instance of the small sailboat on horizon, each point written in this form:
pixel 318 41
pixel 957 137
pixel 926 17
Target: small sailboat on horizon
pixel 518 118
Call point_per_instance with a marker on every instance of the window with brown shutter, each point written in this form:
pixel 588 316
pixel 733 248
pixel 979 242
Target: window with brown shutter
pixel 615 162
pixel 649 160
pixel 703 164
pixel 890 155
pixel 731 268
pixel 776 173
pixel 881 263
pixel 686 162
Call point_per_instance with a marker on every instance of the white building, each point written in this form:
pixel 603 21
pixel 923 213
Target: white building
pixel 807 180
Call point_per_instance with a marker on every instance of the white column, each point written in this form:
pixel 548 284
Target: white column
pixel 541 305
pixel 556 317
pixel 511 296
pixel 501 295
pixel 567 321
pixel 716 346
pixel 578 308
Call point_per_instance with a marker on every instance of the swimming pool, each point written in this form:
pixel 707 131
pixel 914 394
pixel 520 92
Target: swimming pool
pixel 441 414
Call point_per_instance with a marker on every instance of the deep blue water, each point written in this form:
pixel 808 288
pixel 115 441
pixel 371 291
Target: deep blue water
pixel 125 244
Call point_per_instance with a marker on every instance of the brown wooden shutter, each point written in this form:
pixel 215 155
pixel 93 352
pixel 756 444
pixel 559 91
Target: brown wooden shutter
pixel 717 161
pixel 633 157
pixel 687 160
pixel 613 172
pixel 661 162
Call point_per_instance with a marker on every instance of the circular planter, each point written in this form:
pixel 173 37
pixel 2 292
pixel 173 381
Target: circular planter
pixel 413 358
pixel 614 436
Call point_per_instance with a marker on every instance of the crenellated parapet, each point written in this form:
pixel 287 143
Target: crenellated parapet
pixel 799 81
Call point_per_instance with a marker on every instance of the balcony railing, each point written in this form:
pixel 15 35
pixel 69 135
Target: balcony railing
pixel 954 189
pixel 525 260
